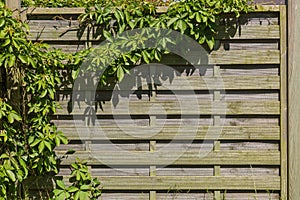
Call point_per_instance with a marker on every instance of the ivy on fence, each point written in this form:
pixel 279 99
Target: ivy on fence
pixel 27 136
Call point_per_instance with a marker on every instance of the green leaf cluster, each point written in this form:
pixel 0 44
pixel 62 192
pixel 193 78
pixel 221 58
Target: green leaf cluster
pixel 198 19
pixel 81 3
pixel 81 185
pixel 27 138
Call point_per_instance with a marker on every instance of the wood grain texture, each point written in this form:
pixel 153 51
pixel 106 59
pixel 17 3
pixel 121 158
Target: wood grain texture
pixel 140 158
pixel 62 31
pixel 258 133
pixel 15 6
pixel 231 57
pixel 175 108
pixel 171 183
pixel 283 100
pixel 218 83
pixel 161 9
pixel 293 96
pixel 190 183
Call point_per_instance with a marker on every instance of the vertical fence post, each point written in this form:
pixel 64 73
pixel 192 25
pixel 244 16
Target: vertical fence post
pixel 217 122
pixel 13 90
pixel 294 98
pixel 15 6
pixel 152 144
pixel 283 101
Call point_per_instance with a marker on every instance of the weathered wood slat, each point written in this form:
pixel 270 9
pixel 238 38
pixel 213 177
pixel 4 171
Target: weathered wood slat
pixel 194 82
pixel 220 83
pixel 244 57
pixel 163 157
pixel 174 108
pixel 190 183
pixel 284 102
pixel 172 133
pixel 252 32
pixel 54 32
pixel 166 183
pixel 230 57
pixel 53 11
pixel 78 11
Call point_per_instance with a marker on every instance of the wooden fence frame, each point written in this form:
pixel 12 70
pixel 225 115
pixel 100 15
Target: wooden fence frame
pixel 293 106
pixel 293 99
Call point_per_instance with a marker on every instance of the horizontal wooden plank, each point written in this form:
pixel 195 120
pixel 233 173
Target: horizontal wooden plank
pixel 267 8
pixel 230 57
pixel 244 57
pixel 171 81
pixel 78 11
pixel 192 107
pixel 170 183
pixel 190 183
pixel 219 83
pixel 52 32
pixel 53 11
pixel 251 32
pixel 163 157
pixel 171 133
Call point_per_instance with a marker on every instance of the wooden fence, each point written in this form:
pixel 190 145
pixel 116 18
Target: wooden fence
pixel 132 140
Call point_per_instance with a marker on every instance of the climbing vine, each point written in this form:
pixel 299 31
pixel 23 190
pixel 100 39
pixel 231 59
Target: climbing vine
pixel 27 137
pixel 82 3
pixel 33 73
pixel 198 19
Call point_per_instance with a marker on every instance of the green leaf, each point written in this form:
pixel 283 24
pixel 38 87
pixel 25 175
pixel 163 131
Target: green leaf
pixel 63 138
pixel 107 35
pixel 16 116
pixel 120 73
pixel 48 145
pixel 2 22
pixel 75 73
pixel 57 192
pixel 76 196
pixel 60 184
pixel 32 62
pixel 10 119
pixel 73 189
pixel 11 175
pixel 51 93
pixel 3 156
pixel 24 59
pixel 6 42
pixel 23 164
pixel 85 187
pixel 43 94
pixel 171 21
pixel 78 176
pixel 182 26
pixel 83 195
pixel 4 136
pixel 41 147
pixel 16 45
pixel 211 43
pixel 63 196
pixel 198 17
pixel 12 60
pixel 146 56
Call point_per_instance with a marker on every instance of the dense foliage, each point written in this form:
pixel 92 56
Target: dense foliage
pixel 33 73
pixel 27 136
pixel 82 185
pixel 82 3
pixel 194 18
